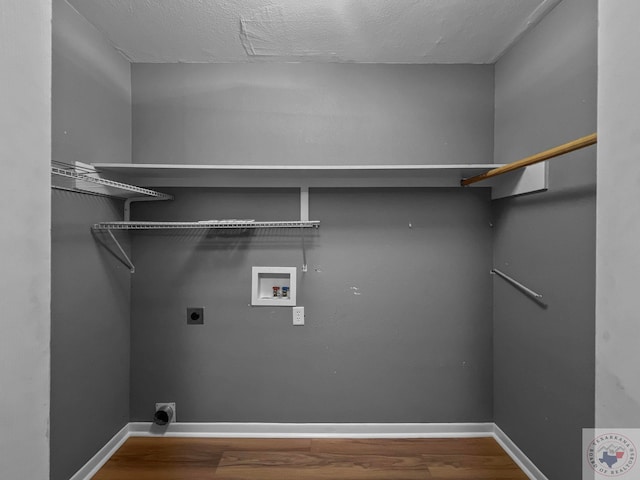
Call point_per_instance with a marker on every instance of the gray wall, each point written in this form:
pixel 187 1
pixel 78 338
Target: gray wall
pixel 618 262
pixel 398 319
pixel 90 334
pixel 90 304
pixel 25 145
pixel 544 356
pixel 92 114
pixel 312 114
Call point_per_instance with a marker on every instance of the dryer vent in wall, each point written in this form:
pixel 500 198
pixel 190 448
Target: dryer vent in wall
pixel 165 414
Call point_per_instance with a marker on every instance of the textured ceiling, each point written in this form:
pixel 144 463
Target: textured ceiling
pixel 368 31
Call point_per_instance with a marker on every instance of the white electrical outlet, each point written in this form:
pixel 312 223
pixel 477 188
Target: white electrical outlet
pixel 298 315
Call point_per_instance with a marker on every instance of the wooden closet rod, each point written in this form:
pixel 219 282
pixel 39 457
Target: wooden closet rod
pixel 540 157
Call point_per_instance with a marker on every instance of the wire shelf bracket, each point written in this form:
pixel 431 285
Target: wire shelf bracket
pixel 128 262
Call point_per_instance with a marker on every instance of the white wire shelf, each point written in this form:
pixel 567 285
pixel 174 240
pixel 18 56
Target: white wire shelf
pixel 108 227
pixel 205 225
pixel 82 178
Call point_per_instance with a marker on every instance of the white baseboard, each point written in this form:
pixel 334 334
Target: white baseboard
pixel 310 430
pixel 518 456
pixel 99 459
pixel 314 430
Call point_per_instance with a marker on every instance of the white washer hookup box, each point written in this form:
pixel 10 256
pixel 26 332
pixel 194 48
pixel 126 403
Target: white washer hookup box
pixel 273 286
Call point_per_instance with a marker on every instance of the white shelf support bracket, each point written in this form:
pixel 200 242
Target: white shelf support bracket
pixel 304 217
pixel 304 204
pixel 127 260
pixel 129 201
pixel 305 267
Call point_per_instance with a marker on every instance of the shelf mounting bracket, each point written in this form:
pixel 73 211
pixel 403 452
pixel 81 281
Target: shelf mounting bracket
pixel 123 257
pixel 304 204
pixel 305 267
pixel 304 216
pixel 129 263
pixel 129 201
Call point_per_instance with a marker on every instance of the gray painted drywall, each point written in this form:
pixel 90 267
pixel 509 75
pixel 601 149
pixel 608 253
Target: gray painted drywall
pixel 95 86
pixel 618 261
pixel 25 139
pixel 90 334
pixel 258 113
pixel 90 330
pixel 544 356
pixel 397 301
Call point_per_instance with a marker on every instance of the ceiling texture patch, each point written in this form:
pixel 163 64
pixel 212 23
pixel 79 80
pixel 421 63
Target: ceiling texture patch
pixel 360 31
pixel 272 32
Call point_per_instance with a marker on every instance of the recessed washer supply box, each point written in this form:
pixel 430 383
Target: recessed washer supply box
pixel 268 286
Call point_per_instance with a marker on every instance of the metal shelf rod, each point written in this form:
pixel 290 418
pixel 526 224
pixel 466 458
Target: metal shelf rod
pixel 540 157
pixel 526 290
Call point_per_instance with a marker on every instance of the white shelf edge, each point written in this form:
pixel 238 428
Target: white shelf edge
pixel 177 167
pixel 529 180
pixel 292 176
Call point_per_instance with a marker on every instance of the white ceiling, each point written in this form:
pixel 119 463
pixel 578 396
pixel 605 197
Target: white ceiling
pixel 364 31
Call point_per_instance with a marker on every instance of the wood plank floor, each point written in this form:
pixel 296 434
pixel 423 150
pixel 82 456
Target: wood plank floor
pixel 142 458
